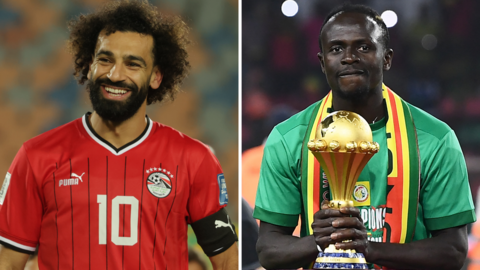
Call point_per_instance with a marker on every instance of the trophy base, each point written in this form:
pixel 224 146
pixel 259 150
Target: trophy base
pixel 334 259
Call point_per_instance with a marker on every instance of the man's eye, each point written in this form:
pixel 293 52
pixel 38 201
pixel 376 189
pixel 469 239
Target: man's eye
pixel 105 60
pixel 133 65
pixel 336 49
pixel 364 48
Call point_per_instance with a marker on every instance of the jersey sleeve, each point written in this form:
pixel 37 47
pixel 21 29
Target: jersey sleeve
pixel 278 199
pixel 208 191
pixel 445 193
pixel 208 196
pixel 21 207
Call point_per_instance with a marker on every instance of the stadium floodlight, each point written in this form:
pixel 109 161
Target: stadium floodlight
pixel 390 18
pixel 289 8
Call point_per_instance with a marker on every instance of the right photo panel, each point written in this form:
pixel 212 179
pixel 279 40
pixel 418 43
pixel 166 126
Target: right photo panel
pixel 360 134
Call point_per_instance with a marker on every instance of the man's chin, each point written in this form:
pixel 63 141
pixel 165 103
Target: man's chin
pixel 114 116
pixel 353 92
pixel 115 111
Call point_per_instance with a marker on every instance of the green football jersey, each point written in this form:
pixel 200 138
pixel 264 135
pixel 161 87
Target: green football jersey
pixel 445 199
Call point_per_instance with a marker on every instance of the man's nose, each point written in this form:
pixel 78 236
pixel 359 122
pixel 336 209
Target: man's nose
pixel 117 73
pixel 349 57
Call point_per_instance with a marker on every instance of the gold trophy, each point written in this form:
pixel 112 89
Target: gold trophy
pixel 343 145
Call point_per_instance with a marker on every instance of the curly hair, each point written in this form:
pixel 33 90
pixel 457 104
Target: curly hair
pixel 169 41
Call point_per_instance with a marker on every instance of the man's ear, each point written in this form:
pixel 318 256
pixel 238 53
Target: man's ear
pixel 387 59
pixel 322 64
pixel 156 78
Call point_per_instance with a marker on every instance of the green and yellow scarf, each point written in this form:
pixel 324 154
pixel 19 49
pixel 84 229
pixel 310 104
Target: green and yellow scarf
pixel 403 178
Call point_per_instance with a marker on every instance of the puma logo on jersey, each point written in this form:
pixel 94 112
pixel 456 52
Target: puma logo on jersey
pixel 79 177
pixel 71 181
pixel 219 223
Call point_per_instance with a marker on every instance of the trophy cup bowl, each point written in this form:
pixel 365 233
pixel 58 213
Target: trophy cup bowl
pixel 343 145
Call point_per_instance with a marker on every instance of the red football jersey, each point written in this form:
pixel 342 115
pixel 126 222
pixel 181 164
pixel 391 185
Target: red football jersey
pixel 88 205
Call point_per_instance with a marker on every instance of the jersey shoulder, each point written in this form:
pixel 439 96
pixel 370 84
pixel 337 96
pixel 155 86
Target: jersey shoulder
pixel 180 140
pixel 297 122
pixel 428 124
pixel 66 134
pixel 287 137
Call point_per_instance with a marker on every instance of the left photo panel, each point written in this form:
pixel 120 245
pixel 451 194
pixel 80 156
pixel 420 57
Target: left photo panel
pixel 119 143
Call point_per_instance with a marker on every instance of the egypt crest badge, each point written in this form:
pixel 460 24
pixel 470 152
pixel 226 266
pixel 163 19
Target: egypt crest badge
pixel 159 182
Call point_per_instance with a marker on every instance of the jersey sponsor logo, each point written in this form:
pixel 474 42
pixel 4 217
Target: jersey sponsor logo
pixel 361 194
pixel 71 181
pixel 3 191
pixel 159 182
pixel 223 189
pixel 219 224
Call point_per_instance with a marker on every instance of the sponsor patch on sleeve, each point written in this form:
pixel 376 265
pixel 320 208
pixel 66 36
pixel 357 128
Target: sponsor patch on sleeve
pixel 223 189
pixel 3 191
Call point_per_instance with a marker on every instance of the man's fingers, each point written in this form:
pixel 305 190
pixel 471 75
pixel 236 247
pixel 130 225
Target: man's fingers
pixel 328 213
pixel 359 245
pixel 325 204
pixel 320 224
pixel 348 222
pixel 348 234
pixel 352 211
pixel 322 228
pixel 323 240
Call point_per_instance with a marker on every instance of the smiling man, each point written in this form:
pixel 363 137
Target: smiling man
pixel 113 189
pixel 402 217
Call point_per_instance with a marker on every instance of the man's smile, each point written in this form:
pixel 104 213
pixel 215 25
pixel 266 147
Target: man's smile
pixel 114 92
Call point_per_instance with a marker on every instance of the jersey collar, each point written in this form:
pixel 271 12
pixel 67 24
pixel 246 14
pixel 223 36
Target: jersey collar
pixel 109 146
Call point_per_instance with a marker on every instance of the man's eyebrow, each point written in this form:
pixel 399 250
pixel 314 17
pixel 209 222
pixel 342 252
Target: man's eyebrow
pixel 135 58
pixel 125 58
pixel 335 41
pixel 340 41
pixel 107 53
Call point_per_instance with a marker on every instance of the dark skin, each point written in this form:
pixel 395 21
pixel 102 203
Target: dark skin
pixel 353 60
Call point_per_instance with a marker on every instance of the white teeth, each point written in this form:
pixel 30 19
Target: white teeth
pixel 118 92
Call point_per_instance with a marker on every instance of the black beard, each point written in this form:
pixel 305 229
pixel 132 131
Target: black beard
pixel 116 111
pixel 358 95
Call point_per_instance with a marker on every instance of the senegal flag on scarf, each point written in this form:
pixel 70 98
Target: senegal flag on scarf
pixel 403 179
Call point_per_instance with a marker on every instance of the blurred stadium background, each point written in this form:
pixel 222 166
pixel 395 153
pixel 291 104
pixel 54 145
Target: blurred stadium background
pixel 38 91
pixel 435 67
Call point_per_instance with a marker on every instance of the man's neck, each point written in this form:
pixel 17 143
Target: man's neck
pixel 370 108
pixel 119 134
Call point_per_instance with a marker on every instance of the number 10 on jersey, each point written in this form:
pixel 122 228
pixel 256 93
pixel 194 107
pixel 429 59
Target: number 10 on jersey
pixel 115 221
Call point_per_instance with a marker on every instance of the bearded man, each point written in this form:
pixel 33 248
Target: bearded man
pixel 114 189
